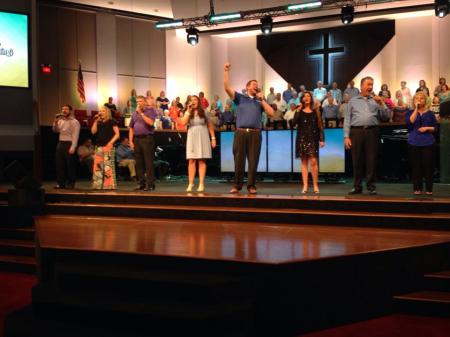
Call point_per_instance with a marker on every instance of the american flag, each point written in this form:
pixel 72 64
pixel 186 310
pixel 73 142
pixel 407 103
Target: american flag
pixel 80 85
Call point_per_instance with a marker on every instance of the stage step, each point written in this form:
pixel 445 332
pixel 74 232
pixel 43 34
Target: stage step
pixel 438 221
pixel 438 281
pixel 18 264
pixel 144 314
pixel 310 202
pixel 20 233
pixel 429 303
pixel 17 247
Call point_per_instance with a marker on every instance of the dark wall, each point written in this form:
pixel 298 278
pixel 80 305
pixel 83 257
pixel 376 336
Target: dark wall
pixel 17 103
pixel 289 53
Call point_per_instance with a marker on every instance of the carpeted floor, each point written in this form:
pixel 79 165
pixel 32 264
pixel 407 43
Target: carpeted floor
pixel 15 293
pixel 396 325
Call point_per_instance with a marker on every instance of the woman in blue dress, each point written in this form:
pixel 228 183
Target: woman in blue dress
pixel 200 139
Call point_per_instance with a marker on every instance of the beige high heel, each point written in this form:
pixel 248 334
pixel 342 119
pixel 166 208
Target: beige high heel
pixel 189 188
pixel 200 188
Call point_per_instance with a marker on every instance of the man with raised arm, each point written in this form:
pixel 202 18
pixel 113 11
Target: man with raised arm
pixel 247 137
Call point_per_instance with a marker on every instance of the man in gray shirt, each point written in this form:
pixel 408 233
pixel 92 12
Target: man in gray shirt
pixel 351 90
pixel 69 130
pixel 361 135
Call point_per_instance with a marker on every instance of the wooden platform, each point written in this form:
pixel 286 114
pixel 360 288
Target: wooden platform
pixel 253 243
pixel 265 265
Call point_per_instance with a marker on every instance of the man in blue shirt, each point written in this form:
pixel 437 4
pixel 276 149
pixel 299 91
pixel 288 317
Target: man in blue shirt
pixel 361 134
pixel 320 92
pixel 247 138
pixel 287 94
pixel 336 93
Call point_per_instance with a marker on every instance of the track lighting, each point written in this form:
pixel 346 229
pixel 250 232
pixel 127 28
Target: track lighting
pixel 347 14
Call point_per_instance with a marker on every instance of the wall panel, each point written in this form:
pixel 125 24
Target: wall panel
pixel 124 31
pixel 67 39
pixel 141 48
pixel 86 39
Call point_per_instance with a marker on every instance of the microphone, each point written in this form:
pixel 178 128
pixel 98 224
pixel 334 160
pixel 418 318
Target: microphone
pixel 59 115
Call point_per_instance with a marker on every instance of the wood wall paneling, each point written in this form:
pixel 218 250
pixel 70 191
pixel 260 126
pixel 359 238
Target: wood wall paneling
pixel 48 54
pixel 124 31
pixel 67 39
pixel 157 62
pixel 141 57
pixel 142 84
pixel 158 84
pixel 124 86
pixel 86 40
pixel 68 35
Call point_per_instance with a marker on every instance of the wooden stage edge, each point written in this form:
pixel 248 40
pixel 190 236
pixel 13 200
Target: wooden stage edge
pixel 281 190
pixel 223 240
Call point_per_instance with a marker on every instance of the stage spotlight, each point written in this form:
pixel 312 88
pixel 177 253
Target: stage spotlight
pixel 192 36
pixel 266 25
pixel 441 8
pixel 347 14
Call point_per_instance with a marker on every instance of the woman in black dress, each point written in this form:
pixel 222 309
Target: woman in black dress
pixel 309 137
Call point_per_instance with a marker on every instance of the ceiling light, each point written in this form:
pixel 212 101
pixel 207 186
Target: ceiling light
pixel 266 24
pixel 308 5
pixel 169 24
pixel 347 14
pixel 192 36
pixel 441 8
pixel 225 17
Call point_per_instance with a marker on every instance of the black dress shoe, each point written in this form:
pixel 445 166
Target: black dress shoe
pixel 140 188
pixel 59 187
pixel 149 188
pixel 70 186
pixel 355 191
pixel 373 192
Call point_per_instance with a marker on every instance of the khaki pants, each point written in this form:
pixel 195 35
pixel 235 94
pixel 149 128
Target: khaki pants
pixel 131 164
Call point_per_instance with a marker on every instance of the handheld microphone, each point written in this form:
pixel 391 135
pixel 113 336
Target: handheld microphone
pixel 59 115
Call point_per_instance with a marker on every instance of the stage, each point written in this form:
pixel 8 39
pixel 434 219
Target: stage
pixel 278 263
pixel 177 185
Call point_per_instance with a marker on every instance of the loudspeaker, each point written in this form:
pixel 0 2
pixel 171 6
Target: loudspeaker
pixel 18 175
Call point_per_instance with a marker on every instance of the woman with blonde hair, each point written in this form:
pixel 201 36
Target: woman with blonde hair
pixel 421 126
pixel 107 131
pixel 198 143
pixel 310 136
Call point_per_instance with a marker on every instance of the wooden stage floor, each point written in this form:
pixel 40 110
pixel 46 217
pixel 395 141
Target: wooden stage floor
pixel 226 241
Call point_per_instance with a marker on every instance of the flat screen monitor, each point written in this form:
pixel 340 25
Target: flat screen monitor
pixel 14 55
pixel 279 148
pixel 226 153
pixel 331 157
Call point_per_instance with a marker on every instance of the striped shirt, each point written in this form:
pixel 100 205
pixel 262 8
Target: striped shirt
pixel 68 129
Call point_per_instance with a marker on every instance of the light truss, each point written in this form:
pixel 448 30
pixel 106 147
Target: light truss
pixel 257 14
